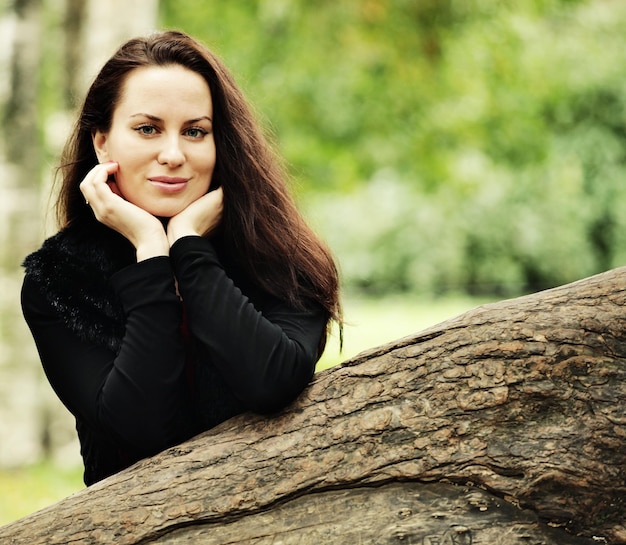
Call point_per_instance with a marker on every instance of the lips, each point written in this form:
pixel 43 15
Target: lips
pixel 169 183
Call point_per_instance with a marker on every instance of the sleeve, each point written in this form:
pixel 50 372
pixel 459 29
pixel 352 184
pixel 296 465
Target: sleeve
pixel 134 396
pixel 266 356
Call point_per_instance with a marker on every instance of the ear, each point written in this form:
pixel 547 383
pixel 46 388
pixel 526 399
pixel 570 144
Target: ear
pixel 99 140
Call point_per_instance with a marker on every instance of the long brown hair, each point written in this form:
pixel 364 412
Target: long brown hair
pixel 261 224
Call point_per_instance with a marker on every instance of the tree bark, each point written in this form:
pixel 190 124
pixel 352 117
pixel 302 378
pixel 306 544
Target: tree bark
pixel 503 425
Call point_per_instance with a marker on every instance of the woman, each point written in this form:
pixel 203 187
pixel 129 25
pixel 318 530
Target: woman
pixel 183 287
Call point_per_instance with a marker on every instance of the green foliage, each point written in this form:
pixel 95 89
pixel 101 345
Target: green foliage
pixel 442 145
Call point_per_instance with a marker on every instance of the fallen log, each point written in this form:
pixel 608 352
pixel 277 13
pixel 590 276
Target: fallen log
pixel 505 425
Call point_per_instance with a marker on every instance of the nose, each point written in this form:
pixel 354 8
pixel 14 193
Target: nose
pixel 171 153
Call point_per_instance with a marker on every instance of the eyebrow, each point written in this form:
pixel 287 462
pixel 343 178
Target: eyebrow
pixel 158 119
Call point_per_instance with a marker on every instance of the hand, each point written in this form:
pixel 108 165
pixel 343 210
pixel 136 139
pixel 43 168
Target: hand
pixel 141 228
pixel 200 218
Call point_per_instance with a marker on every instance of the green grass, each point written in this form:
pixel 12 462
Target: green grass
pixel 373 322
pixel 370 323
pixel 27 489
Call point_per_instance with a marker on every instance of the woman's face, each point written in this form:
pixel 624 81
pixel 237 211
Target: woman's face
pixel 161 136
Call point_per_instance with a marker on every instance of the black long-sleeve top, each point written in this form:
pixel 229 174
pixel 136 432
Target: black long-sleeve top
pixel 175 368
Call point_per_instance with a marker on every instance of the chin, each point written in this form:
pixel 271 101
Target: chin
pixel 168 211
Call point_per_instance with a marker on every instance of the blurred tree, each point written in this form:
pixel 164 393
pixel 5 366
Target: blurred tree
pixel 50 50
pixel 20 159
pixel 499 124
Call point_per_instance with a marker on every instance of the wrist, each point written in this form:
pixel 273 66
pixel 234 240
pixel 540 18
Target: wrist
pixel 175 233
pixel 152 247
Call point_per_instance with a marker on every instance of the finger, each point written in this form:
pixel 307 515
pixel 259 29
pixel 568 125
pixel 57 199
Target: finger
pixel 95 180
pixel 111 167
pixel 87 186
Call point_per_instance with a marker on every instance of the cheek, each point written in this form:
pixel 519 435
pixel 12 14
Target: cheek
pixel 130 162
pixel 206 166
pixel 124 180
pixel 125 148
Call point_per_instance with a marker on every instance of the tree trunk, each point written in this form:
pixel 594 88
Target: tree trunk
pixel 20 159
pixel 504 425
pixel 74 37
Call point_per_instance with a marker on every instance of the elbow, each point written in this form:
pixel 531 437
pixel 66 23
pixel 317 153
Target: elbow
pixel 272 394
pixel 150 438
pixel 143 416
pixel 145 432
pixel 272 400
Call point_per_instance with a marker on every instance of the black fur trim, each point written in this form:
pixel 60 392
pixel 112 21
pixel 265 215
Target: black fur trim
pixel 73 270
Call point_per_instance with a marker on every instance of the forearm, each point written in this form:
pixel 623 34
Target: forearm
pixel 145 388
pixel 130 396
pixel 266 357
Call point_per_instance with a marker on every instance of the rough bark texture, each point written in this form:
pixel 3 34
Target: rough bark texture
pixel 505 425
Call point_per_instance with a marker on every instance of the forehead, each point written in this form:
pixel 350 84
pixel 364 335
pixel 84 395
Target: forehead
pixel 171 88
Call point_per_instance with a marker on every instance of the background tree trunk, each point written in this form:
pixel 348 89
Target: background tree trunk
pixel 20 160
pixel 75 37
pixel 504 425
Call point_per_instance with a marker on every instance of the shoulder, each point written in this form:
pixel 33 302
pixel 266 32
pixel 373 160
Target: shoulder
pixel 81 250
pixel 69 276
